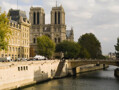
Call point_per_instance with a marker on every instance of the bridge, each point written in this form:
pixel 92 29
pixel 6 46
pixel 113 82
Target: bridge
pixel 76 63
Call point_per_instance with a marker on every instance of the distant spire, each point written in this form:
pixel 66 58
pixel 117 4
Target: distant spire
pixel 71 27
pixel 56 3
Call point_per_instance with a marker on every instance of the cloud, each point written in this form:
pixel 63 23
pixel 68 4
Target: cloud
pixel 114 9
pixel 27 1
pixel 6 6
pixel 100 17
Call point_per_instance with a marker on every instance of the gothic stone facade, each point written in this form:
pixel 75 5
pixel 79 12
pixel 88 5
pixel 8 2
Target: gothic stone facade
pixel 56 30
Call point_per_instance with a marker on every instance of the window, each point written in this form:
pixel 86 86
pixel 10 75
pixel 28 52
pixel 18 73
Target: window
pixel 16 49
pixel 37 17
pixel 14 25
pixel 55 40
pixel 21 68
pixel 2 55
pixel 55 18
pixel 10 24
pixel 13 48
pixel 17 26
pixel 9 48
pixel 58 39
pixel 58 17
pixel 18 56
pixel 34 40
pixel 5 55
pixel 19 49
pixel 18 68
pixel 15 56
pixel 26 67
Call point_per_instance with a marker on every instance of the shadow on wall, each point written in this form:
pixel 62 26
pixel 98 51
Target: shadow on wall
pixel 40 75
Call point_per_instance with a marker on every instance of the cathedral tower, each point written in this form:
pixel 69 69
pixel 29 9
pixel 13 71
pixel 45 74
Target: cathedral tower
pixel 58 23
pixel 58 16
pixel 37 16
pixel 37 19
pixel 56 30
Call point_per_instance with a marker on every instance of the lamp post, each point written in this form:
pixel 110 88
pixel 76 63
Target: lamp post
pixel 0 10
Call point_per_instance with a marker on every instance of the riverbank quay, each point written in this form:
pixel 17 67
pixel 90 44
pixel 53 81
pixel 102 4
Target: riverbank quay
pixel 20 74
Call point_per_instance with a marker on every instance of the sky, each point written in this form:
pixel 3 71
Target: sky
pixel 100 17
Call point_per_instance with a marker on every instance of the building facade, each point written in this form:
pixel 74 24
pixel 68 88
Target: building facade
pixel 56 31
pixel 19 40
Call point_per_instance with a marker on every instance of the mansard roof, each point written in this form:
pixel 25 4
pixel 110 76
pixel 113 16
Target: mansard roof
pixel 16 14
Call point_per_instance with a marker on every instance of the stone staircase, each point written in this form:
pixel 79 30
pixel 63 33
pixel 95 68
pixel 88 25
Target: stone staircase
pixel 59 69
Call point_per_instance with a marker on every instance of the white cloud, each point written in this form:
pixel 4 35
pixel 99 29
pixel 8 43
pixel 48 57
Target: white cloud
pixel 114 9
pixel 26 1
pixel 100 17
pixel 105 39
pixel 6 6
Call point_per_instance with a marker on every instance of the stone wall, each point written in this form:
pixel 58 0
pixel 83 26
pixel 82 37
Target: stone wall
pixel 18 74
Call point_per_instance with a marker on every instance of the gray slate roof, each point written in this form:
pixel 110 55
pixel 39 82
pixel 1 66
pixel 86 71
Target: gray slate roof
pixel 68 33
pixel 16 14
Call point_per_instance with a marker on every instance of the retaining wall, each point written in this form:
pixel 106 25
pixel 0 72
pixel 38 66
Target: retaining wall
pixel 18 74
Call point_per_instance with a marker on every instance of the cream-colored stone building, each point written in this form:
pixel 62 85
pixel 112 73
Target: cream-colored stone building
pixel 19 40
pixel 56 30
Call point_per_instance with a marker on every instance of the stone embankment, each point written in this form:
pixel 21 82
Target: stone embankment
pixel 19 74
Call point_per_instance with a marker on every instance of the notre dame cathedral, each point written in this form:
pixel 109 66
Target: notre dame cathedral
pixel 56 31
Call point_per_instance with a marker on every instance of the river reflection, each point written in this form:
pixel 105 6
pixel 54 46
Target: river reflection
pixel 96 80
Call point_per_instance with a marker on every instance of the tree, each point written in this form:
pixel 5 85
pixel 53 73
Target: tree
pixel 5 32
pixel 46 46
pixel 84 53
pixel 69 48
pixel 117 46
pixel 91 44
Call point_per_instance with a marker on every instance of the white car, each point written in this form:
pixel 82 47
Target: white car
pixel 39 57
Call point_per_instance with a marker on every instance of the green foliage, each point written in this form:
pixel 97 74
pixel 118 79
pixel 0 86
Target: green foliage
pixel 5 32
pixel 84 53
pixel 117 46
pixel 70 49
pixel 91 44
pixel 46 46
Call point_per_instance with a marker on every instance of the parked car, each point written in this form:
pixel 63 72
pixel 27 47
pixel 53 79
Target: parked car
pixel 23 59
pixel 18 59
pixel 39 57
pixel 6 59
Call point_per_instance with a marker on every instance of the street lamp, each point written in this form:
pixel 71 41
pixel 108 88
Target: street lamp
pixel 0 10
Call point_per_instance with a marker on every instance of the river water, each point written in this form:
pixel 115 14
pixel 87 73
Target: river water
pixel 96 80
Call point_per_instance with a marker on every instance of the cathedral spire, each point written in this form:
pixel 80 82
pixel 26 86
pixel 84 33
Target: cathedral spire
pixel 56 3
pixel 71 27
